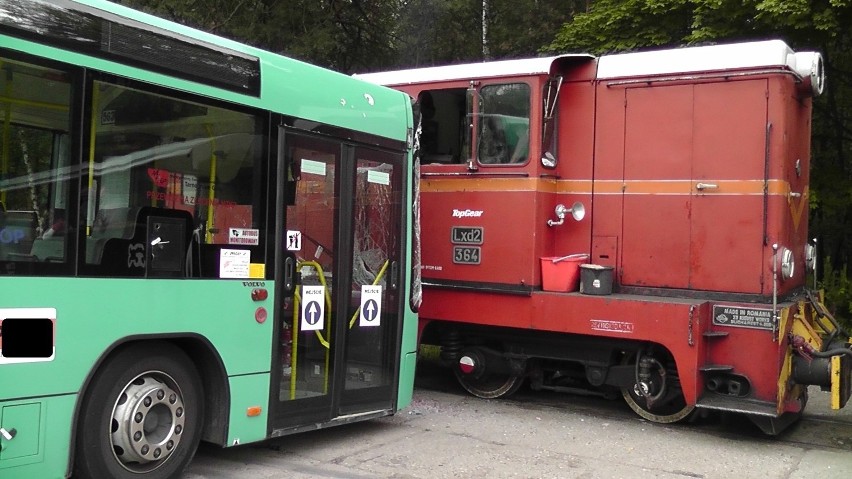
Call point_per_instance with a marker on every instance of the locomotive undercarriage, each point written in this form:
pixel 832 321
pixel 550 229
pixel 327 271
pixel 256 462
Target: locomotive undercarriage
pixel 492 363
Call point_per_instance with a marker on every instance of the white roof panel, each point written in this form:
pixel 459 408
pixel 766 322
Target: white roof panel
pixel 773 53
pixel 469 71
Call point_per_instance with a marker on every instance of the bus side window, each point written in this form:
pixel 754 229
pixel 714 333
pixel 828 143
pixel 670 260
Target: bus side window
pixel 181 156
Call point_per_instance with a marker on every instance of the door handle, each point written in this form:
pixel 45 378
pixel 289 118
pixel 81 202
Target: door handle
pixel 706 186
pixel 394 275
pixel 289 275
pixel 8 435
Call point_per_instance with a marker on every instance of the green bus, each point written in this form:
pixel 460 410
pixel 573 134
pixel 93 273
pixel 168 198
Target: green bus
pixel 199 241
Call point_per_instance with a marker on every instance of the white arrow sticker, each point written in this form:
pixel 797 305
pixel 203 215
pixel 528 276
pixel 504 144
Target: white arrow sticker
pixel 371 306
pixel 313 308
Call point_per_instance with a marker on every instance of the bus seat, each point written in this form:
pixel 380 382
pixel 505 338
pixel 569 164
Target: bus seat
pixel 122 257
pixel 49 249
pixel 115 223
pixel 127 255
pixel 17 232
pixel 110 223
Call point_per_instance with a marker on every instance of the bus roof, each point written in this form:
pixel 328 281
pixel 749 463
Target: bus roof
pixel 270 81
pixel 470 71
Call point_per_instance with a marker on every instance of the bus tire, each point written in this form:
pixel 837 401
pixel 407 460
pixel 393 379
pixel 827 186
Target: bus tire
pixel 142 415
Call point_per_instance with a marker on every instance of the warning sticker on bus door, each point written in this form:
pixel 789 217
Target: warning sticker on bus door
pixel 313 308
pixel 371 305
pixel 27 335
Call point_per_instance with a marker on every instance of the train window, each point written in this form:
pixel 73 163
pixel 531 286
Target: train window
pixel 444 118
pixel 504 123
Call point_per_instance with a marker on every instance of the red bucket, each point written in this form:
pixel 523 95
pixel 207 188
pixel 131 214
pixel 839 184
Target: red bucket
pixel 562 273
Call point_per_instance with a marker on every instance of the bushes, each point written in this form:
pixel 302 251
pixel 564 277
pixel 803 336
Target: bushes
pixel 838 292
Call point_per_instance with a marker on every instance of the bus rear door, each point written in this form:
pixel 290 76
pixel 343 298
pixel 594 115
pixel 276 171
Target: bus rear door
pixel 340 234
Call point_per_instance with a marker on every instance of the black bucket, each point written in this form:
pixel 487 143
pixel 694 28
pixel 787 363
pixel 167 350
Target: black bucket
pixel 595 279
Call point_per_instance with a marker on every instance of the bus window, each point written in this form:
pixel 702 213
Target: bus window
pixel 183 159
pixel 34 163
pixel 504 122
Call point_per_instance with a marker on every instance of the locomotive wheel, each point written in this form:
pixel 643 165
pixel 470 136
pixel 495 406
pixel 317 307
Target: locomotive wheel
pixel 489 386
pixel 671 407
pixel 142 415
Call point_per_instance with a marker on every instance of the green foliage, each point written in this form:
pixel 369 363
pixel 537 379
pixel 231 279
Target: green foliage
pixel 621 25
pixel 440 32
pixel 344 35
pixel 838 292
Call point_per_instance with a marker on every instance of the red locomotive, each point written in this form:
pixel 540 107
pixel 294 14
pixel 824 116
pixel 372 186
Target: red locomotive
pixel 682 282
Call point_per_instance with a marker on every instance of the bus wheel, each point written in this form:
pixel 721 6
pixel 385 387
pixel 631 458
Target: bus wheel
pixel 475 378
pixel 142 415
pixel 656 395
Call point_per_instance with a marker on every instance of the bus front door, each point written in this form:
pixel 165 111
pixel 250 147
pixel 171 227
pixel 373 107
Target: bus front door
pixel 341 236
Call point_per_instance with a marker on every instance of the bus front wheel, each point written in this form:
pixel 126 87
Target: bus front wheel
pixel 142 415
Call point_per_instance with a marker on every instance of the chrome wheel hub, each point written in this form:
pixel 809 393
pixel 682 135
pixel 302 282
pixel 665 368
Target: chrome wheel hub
pixel 147 422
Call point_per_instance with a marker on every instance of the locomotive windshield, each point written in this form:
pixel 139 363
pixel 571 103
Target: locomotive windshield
pixel 503 124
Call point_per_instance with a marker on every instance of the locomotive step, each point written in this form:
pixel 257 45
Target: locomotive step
pixel 732 404
pixel 714 334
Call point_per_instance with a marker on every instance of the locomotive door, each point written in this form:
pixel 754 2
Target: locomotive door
pixel 728 168
pixel 338 311
pixel 693 177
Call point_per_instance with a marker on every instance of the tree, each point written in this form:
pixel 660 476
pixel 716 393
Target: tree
pixel 344 35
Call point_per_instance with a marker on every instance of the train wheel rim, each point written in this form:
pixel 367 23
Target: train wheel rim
pixel 672 412
pixel 489 386
pixel 674 407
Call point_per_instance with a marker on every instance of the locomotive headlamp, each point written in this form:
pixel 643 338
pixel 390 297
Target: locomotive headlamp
pixel 809 66
pixel 810 257
pixel 788 263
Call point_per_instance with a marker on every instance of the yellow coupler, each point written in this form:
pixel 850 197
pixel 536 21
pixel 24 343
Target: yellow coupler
pixel 817 352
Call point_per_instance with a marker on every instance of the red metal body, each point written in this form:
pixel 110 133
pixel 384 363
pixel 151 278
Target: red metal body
pixel 692 167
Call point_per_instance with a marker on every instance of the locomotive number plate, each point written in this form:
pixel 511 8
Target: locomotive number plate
pixel 467 254
pixel 467 235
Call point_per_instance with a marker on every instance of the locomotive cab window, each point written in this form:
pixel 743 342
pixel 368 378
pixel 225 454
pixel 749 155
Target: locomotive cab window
pixel 444 124
pixel 503 123
pixel 489 124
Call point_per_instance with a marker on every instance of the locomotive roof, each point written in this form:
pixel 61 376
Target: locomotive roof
pixel 469 71
pixel 762 54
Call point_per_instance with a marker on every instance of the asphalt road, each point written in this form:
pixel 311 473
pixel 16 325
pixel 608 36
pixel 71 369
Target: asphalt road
pixel 446 433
